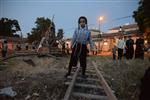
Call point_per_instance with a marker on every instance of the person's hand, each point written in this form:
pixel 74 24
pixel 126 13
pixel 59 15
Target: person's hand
pixel 92 50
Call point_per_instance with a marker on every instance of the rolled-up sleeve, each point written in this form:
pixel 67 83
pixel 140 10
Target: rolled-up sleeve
pixel 90 41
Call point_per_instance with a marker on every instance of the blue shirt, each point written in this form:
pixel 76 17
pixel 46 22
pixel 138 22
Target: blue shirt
pixel 83 36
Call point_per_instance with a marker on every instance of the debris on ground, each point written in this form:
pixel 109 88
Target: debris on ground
pixel 8 91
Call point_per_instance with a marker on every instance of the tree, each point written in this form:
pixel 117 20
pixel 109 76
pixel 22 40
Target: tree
pixel 60 34
pixel 8 27
pixel 142 15
pixel 30 37
pixel 42 25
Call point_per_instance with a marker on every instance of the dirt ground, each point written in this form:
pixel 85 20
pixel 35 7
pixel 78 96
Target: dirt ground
pixel 34 78
pixel 42 78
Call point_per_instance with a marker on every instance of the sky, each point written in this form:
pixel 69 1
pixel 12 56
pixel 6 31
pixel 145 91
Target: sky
pixel 67 12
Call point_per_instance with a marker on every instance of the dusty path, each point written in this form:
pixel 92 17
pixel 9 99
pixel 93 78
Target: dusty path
pixel 44 81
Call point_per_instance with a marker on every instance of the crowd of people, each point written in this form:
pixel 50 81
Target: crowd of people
pixel 124 49
pixel 17 47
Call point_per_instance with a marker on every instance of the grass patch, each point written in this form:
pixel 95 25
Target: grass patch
pixel 124 79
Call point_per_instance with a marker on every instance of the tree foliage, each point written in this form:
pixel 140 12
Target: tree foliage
pixel 142 15
pixel 60 34
pixel 8 27
pixel 42 25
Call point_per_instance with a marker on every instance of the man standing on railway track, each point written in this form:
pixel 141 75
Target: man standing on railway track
pixel 81 38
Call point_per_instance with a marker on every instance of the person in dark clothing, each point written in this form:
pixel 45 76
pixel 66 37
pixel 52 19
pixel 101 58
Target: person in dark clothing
pixel 67 49
pixel 114 53
pixel 27 46
pixel 139 51
pixel 145 86
pixel 63 48
pixel 129 48
pixel 4 48
pixel 145 82
pixel 81 37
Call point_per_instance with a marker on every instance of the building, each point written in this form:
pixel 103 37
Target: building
pixel 109 38
pixel 12 42
pixel 105 41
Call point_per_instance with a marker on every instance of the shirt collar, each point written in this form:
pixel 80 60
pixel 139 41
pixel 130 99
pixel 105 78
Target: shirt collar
pixel 82 28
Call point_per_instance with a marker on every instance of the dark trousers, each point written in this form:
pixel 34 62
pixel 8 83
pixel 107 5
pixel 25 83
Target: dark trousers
pixel 145 86
pixel 78 52
pixel 139 55
pixel 129 53
pixel 4 53
pixel 114 56
pixel 120 53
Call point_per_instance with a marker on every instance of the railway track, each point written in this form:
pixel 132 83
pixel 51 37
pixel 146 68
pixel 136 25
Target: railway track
pixel 93 87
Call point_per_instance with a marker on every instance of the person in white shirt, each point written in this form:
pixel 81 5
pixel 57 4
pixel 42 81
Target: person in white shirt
pixel 120 46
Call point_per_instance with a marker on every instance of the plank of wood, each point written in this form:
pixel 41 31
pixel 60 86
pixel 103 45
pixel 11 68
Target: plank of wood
pixel 88 86
pixel 85 85
pixel 90 71
pixel 90 96
pixel 87 79
pixel 87 74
